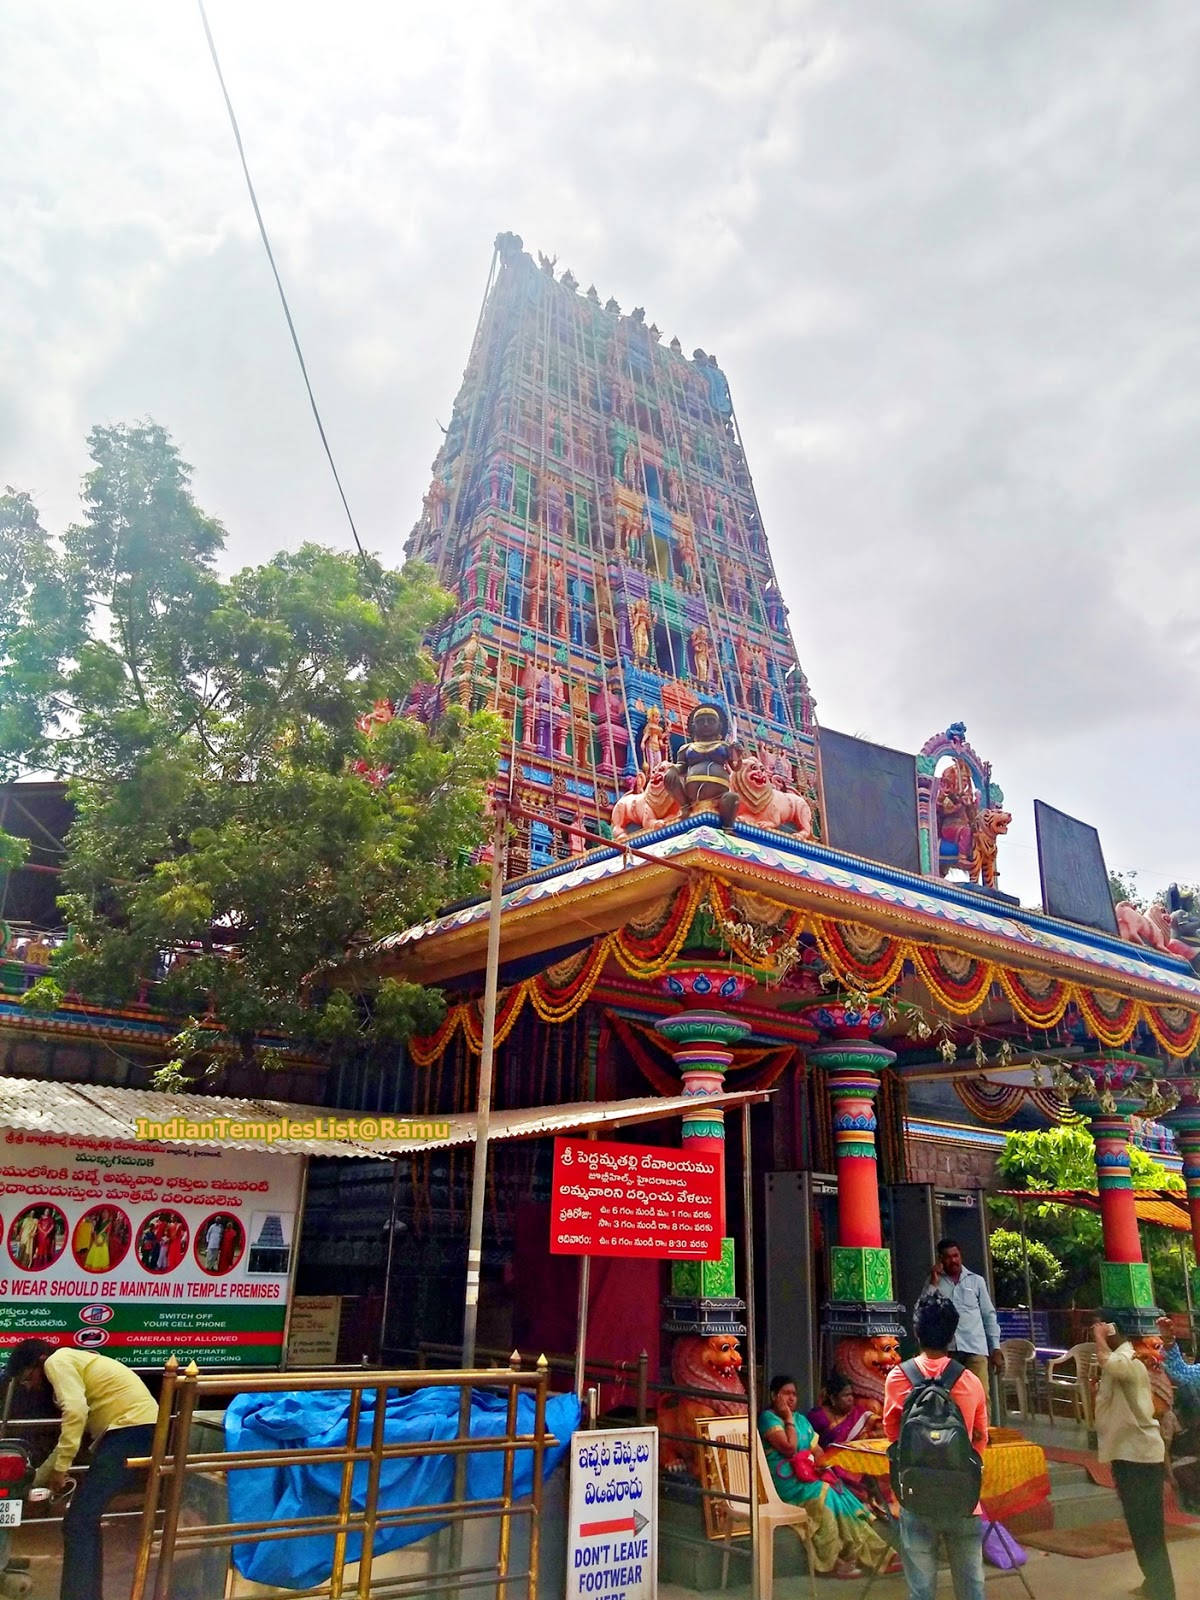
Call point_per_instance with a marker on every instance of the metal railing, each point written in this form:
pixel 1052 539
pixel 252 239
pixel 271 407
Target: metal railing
pixel 619 1375
pixel 171 1462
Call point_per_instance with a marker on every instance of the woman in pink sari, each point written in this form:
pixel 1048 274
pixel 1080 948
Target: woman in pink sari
pixel 840 1419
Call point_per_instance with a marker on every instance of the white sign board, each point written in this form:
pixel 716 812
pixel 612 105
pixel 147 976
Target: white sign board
pixel 612 1529
pixel 146 1250
pixel 313 1330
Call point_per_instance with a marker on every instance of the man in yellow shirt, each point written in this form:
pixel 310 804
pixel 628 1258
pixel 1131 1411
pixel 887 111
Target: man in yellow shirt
pixel 119 1412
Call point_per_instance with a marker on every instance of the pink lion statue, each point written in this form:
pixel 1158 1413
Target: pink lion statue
pixel 764 804
pixel 647 807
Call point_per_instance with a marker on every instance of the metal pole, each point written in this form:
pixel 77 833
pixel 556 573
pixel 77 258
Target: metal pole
pixel 1025 1263
pixel 751 1349
pixel 1187 1280
pixel 387 1269
pixel 479 1168
pixel 294 1263
pixel 581 1315
pixel 484 1105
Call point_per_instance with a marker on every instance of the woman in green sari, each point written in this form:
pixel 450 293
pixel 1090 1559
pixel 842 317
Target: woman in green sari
pixel 844 1538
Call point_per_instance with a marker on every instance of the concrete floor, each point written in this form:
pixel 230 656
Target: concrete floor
pixel 1050 1577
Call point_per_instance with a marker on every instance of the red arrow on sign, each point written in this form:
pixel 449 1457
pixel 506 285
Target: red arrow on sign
pixel 633 1524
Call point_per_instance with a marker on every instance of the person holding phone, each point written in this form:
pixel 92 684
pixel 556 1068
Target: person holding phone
pixel 1131 1442
pixel 977 1340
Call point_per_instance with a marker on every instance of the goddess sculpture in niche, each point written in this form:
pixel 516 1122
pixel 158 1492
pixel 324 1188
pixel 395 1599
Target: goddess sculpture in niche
pixel 957 808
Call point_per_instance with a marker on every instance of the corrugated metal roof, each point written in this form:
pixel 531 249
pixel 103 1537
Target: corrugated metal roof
pixel 90 1111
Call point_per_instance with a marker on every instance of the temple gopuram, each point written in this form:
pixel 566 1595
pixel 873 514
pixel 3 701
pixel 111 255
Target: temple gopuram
pixel 705 889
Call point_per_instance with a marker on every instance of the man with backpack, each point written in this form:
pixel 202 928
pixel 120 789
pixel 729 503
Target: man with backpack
pixel 935 1413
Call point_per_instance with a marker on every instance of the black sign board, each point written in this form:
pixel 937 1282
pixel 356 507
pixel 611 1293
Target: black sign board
pixel 869 800
pixel 1071 863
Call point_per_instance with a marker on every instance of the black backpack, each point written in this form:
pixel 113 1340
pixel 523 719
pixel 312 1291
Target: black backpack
pixel 935 1470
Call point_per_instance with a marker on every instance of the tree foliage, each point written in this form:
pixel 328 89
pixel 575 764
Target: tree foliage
pixel 1064 1158
pixel 1046 1272
pixel 208 727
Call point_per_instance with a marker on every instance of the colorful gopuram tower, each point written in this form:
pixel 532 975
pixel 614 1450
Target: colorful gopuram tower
pixel 592 509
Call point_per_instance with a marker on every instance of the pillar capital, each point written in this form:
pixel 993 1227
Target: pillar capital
pixel 844 1019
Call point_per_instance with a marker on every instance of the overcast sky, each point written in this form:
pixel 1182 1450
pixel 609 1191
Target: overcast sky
pixel 948 254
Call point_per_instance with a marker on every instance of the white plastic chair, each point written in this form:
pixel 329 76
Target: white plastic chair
pixel 1077 1389
pixel 774 1512
pixel 1017 1353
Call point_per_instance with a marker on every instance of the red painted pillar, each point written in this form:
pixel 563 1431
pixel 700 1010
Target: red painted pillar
pixel 1118 1215
pixel 1111 1089
pixel 861 1303
pixel 853 1085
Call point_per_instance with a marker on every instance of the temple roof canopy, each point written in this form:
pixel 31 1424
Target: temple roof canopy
pixel 599 893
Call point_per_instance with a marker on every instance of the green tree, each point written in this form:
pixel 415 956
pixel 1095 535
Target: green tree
pixel 1124 886
pixel 1064 1158
pixel 209 728
pixel 1046 1272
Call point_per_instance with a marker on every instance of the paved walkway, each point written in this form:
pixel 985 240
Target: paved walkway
pixel 1050 1577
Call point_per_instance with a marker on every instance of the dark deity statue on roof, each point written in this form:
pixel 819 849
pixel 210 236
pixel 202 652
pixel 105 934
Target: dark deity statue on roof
pixel 701 772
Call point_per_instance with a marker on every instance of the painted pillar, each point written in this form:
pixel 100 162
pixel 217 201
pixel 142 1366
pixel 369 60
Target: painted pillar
pixel 1112 1092
pixel 861 1301
pixel 703 1295
pixel 1184 1121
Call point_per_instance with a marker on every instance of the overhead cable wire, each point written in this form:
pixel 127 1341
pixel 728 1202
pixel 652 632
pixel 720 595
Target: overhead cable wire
pixel 262 228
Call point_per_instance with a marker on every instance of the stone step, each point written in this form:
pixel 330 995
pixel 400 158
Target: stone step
pixel 1080 1505
pixel 1062 1473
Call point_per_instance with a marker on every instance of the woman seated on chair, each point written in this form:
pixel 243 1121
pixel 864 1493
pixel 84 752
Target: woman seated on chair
pixel 844 1538
pixel 840 1419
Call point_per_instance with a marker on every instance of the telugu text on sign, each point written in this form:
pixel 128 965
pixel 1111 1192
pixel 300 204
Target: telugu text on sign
pixel 634 1201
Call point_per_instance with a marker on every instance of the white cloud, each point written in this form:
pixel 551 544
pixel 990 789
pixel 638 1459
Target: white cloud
pixel 949 257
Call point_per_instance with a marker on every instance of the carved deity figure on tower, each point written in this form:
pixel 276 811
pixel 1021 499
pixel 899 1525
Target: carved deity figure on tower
pixel 685 552
pixel 611 732
pixel 702 770
pixel 702 655
pixel 641 622
pixel 652 743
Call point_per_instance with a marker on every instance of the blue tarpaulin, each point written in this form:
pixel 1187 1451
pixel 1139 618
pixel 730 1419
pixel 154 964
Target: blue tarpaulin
pixel 316 1420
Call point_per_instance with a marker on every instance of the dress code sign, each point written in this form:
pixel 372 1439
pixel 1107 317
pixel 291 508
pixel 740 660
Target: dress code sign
pixel 634 1200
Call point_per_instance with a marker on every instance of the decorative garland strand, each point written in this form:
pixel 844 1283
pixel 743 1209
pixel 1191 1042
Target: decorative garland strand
pixel 958 983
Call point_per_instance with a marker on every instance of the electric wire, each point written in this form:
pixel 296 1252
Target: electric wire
pixel 262 229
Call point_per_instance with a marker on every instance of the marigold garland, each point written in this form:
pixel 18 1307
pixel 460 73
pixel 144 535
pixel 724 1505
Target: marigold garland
pixel 861 958
pixel 873 977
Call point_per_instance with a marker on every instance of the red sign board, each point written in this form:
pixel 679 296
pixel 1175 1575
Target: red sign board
pixel 634 1200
